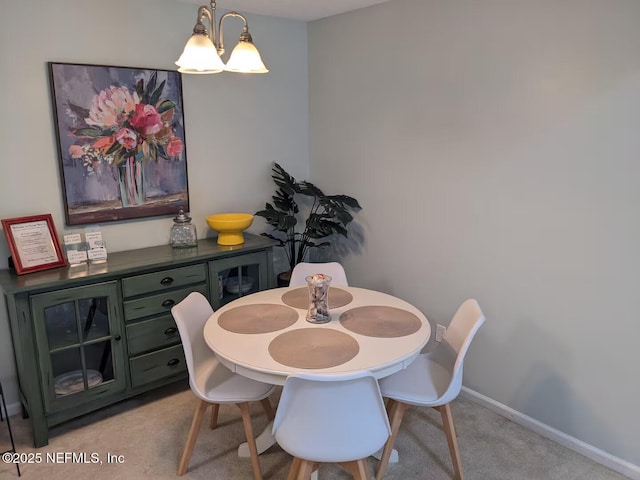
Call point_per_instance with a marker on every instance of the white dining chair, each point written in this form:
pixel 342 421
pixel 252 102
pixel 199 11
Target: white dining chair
pixel 302 270
pixel 434 379
pixel 331 419
pixel 212 382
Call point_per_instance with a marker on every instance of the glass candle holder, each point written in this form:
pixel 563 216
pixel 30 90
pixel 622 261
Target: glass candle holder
pixel 183 232
pixel 318 284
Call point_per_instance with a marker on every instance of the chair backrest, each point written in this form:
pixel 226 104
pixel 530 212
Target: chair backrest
pixel 190 315
pixel 331 418
pixel 455 344
pixel 333 269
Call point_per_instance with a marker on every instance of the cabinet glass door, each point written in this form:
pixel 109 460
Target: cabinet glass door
pixel 80 330
pixel 234 277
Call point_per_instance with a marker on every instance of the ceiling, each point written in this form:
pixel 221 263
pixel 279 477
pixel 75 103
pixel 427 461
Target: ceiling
pixel 305 10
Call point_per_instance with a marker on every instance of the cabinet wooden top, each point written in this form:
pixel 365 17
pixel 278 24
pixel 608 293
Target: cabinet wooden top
pixel 128 262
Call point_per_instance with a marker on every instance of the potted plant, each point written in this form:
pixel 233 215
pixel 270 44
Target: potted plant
pixel 327 215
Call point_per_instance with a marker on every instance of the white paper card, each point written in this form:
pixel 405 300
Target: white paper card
pixel 97 253
pixel 76 256
pixel 72 239
pixel 94 239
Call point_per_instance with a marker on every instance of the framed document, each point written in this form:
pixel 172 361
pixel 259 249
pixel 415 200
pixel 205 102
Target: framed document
pixel 33 243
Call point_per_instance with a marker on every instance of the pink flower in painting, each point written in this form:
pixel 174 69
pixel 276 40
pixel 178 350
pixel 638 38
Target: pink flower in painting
pixel 111 106
pixel 76 151
pixel 174 147
pixel 127 138
pixel 146 119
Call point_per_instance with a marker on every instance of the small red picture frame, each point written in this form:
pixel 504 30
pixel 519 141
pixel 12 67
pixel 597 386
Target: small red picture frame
pixel 33 243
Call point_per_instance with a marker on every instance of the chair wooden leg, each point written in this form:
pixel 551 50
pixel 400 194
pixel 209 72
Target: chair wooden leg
pixel 192 437
pixel 213 423
pixel 305 470
pixel 295 467
pixel 452 440
pixel 251 441
pixel 268 409
pixel 358 468
pixel 396 412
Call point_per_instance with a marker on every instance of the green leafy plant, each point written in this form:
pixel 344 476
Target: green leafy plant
pixel 328 215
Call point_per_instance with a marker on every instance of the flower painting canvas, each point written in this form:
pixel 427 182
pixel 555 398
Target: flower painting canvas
pixel 121 142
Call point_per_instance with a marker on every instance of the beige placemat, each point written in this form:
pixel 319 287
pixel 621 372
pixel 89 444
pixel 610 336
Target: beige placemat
pixel 313 348
pixel 299 298
pixel 258 318
pixel 380 321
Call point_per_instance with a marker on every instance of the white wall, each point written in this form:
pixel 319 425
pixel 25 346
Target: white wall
pixel 495 149
pixel 236 125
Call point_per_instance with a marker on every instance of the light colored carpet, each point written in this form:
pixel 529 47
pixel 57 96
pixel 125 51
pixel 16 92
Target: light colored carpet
pixel 149 432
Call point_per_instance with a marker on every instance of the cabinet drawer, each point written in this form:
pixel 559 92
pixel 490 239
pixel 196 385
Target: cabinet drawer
pixel 152 334
pixel 154 366
pixel 159 303
pixel 157 281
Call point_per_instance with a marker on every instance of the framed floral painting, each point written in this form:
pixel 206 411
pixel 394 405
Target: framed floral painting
pixel 121 142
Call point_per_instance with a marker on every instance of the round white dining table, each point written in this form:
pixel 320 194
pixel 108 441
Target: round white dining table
pixel 265 336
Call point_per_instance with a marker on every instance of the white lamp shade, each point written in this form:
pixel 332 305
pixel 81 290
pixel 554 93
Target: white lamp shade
pixel 245 58
pixel 200 56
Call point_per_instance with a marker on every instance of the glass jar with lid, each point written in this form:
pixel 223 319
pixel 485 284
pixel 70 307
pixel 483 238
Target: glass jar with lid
pixel 183 233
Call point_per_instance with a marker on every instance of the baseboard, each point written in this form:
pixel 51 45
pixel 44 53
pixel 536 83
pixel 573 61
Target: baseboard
pixel 599 456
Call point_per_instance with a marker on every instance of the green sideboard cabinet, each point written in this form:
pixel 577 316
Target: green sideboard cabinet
pixel 86 337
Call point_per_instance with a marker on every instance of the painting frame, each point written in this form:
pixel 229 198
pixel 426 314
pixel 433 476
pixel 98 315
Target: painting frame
pixel 33 243
pixel 121 142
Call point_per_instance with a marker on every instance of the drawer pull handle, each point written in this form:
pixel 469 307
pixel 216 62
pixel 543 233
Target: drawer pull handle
pixel 166 281
pixel 170 330
pixel 173 362
pixel 168 303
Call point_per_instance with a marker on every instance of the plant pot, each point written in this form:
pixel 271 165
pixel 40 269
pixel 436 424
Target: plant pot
pixel 284 278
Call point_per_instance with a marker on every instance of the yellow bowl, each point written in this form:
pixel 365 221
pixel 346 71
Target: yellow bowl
pixel 230 226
